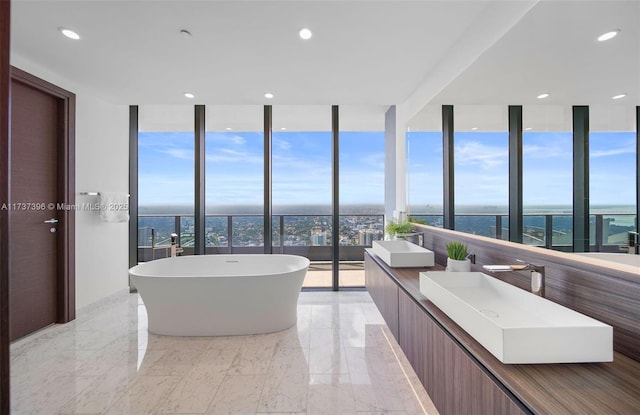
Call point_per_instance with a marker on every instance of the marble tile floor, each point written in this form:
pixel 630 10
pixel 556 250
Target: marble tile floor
pixel 340 358
pixel 320 275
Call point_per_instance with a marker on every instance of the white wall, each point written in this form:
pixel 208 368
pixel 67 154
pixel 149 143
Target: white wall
pixel 102 164
pixel 395 192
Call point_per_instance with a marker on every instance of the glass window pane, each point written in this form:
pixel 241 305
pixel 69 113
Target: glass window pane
pixel 361 171
pixel 234 152
pixel 301 177
pixel 612 174
pixel 547 173
pixel 424 166
pixel 165 177
pixel 481 163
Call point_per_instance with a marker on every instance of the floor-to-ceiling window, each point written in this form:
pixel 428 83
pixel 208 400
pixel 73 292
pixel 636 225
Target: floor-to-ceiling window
pixel 481 163
pixel 301 186
pixel 612 175
pixel 361 172
pixel 165 179
pixel 234 184
pixel 547 159
pixel 424 166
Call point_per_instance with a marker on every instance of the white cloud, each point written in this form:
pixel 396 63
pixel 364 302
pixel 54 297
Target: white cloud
pixel 281 144
pixel 237 140
pixel 179 153
pixel 478 154
pixel 233 156
pixel 628 149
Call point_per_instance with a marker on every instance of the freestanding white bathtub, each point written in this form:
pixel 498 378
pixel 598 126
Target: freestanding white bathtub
pixel 216 295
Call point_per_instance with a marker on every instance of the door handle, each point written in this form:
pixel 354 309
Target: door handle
pixel 52 220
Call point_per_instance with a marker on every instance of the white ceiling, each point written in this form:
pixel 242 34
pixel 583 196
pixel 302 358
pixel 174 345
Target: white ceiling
pixel 365 54
pixel 132 52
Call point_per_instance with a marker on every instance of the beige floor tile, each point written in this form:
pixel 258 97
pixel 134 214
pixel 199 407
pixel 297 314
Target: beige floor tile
pixel 340 358
pixel 195 391
pixel 238 395
pixel 330 394
pixel 103 392
pixel 146 394
pixel 285 388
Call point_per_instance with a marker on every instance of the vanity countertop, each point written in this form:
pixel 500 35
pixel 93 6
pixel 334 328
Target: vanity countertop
pixel 585 388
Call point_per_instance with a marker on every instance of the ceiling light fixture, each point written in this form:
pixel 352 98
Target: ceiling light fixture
pixel 608 35
pixel 189 95
pixel 542 96
pixel 305 33
pixel 619 96
pixel 69 33
pixel 283 128
pixel 228 128
pixel 186 34
pixel 474 128
pixel 268 95
pixel 527 129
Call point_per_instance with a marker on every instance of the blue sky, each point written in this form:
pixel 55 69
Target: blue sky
pixel 234 172
pixel 302 168
pixel 481 163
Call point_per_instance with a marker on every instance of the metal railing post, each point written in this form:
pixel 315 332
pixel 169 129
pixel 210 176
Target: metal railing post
pixel 229 234
pixel 176 227
pixel 599 242
pixel 548 231
pixel 282 234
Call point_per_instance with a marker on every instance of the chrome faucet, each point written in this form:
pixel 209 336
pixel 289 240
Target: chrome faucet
pixel 537 274
pixel 633 245
pixel 175 249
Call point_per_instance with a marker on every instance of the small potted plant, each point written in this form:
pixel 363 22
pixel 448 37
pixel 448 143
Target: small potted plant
pixel 400 230
pixel 457 260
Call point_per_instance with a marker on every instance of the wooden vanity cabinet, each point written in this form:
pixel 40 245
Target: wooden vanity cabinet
pixel 384 293
pixel 455 382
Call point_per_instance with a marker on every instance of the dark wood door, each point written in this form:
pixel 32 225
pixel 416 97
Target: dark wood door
pixel 33 253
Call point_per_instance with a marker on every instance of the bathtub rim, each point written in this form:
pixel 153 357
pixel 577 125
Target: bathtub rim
pixel 134 271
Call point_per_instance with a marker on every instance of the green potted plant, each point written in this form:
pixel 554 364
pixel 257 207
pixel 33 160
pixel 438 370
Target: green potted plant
pixel 457 254
pixel 399 229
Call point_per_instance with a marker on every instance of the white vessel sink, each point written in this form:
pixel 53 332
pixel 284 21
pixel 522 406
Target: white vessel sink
pixel 515 325
pixel 403 254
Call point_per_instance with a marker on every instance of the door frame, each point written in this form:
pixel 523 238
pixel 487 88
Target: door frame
pixel 66 275
pixel 5 83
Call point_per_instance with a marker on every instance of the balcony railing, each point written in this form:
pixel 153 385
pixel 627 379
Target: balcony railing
pixel 554 231
pixel 310 235
pixel 307 235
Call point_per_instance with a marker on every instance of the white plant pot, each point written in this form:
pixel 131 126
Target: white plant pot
pixel 454 265
pixel 410 237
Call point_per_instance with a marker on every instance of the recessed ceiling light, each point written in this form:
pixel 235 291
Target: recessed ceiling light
pixel 228 128
pixel 474 128
pixel 189 95
pixel 305 33
pixel 542 96
pixel 527 129
pixel 268 95
pixel 185 34
pixel 69 33
pixel 608 35
pixel 619 96
pixel 283 128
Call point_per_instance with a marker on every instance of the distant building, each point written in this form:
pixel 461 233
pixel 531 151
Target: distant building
pixel 367 236
pixel 318 237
